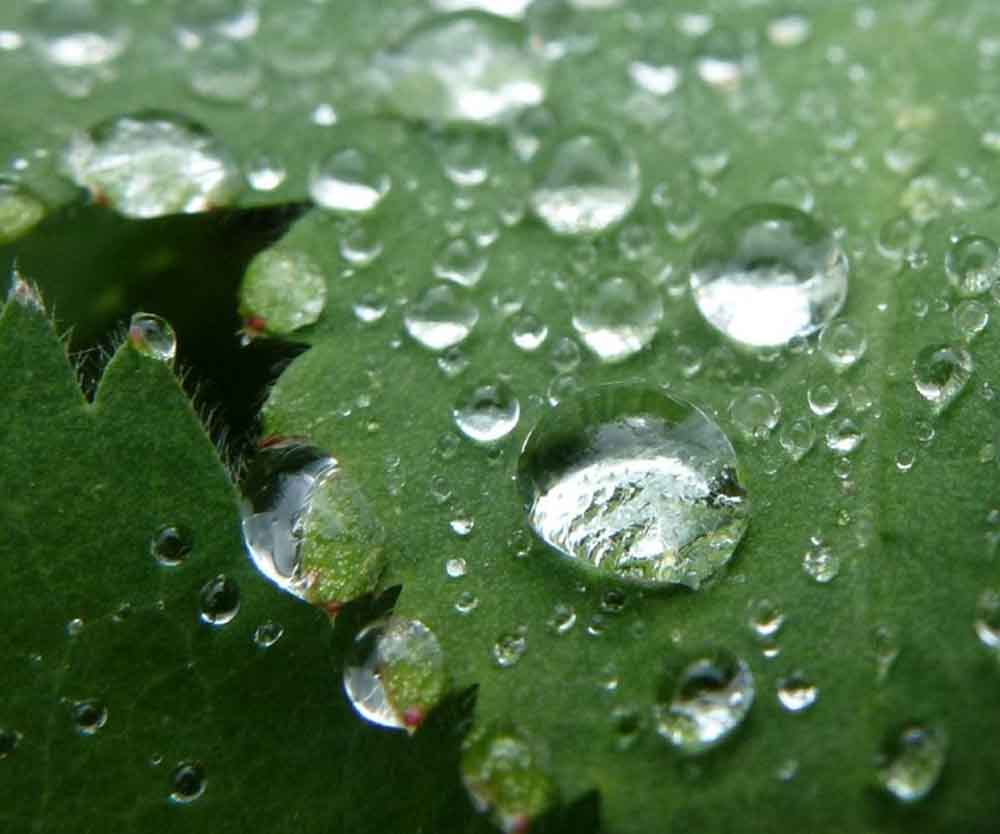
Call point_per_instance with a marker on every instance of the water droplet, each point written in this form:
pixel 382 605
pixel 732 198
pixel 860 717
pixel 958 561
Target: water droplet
pixel 843 344
pixel 971 318
pixel 509 648
pixel 9 740
pixel 220 600
pixel 172 545
pixel 789 30
pixel 89 716
pixel 616 317
pixel 440 318
pixel 562 620
pixel 635 483
pixel 797 438
pixel 911 761
pixel 506 773
pixel 223 71
pixel 265 173
pixel 187 782
pixel 885 644
pixel 973 264
pixel 528 332
pixel 787 770
pixel 823 400
pixel 626 724
pixel 820 562
pixel 905 458
pixel 455 568
pixel 348 180
pixel 987 623
pixel 150 164
pixel 940 373
pixel 769 274
pixel 283 290
pixel 77 34
pixel 152 336
pixel 395 673
pixel 462 526
pixel 199 20
pixel 307 526
pixel 466 602
pixel 267 634
pixel 565 355
pixel 766 618
pixel 462 68
pixel 844 436
pixel 710 697
pixel 461 261
pixel 487 412
pixel 20 211
pixel 756 413
pixel 503 8
pixel 294 40
pixel 797 692
pixel 74 627
pixel 584 184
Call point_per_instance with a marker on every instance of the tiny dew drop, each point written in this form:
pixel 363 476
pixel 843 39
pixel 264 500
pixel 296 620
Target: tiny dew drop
pixel 152 336
pixel 267 634
pixel 220 600
pixel 187 782
pixel 706 701
pixel 562 619
pixel 585 184
pixel 171 545
pixel 766 618
pixel 151 164
pixel 940 374
pixel 911 760
pixel 506 773
pixel 89 716
pixel 797 692
pixel 283 290
pixel 509 648
pixel 395 673
pixel 487 412
pixel 349 181
pixel 767 275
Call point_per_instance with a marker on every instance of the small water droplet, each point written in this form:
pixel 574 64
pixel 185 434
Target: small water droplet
pixel 971 318
pixel 987 623
pixel 636 484
pixel 89 716
pixel 78 35
pixel 509 648
pixel 265 173
pixel 74 627
pixel 152 336
pixel 789 30
pixel 171 545
pixel 584 184
pixel 528 332
pixel 440 318
pixel 756 413
pixel 843 344
pixel 626 724
pixel 769 274
pixel 972 264
pixel 617 316
pixel 187 782
pixel 823 399
pixel 562 619
pixel 466 602
pixel 267 634
pixel 905 458
pixel 766 618
pixel 709 699
pixel 940 373
pixel 911 761
pixel 224 71
pixel 797 692
pixel 395 673
pixel 455 568
pixel 844 436
pixel 797 437
pixel 150 164
pixel 348 180
pixel 220 600
pixel 820 562
pixel 487 412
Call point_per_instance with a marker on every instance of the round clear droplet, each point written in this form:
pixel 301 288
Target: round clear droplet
pixel 440 318
pixel 618 316
pixel 487 412
pixel 171 545
pixel 283 290
pixel 940 374
pixel 152 336
pixel 911 761
pixel 348 180
pixel 219 600
pixel 797 692
pixel 187 782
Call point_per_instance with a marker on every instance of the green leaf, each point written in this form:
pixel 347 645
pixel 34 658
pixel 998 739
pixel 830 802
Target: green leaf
pixel 913 542
pixel 92 617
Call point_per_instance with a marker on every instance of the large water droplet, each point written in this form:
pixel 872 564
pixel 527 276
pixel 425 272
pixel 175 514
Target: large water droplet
pixel 468 67
pixel 769 274
pixel 395 673
pixel 348 180
pixel 940 373
pixel 911 761
pixel 152 336
pixel 487 412
pixel 307 526
pixel 506 773
pixel 584 184
pixel 635 483
pixel 440 318
pixel 617 317
pixel 282 291
pixel 708 700
pixel 150 164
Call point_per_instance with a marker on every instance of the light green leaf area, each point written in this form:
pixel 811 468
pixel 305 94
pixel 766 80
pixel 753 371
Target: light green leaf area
pixel 914 542
pixel 90 617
